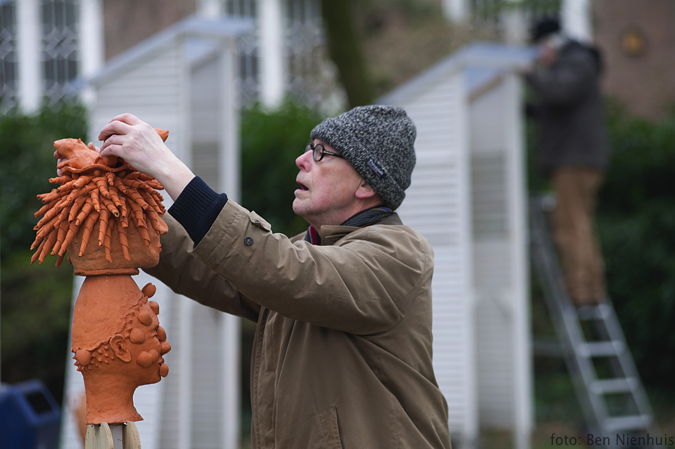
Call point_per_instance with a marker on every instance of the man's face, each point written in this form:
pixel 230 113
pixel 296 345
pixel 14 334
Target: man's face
pixel 326 189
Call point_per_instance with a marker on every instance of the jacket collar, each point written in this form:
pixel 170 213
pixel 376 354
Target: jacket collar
pixel 329 234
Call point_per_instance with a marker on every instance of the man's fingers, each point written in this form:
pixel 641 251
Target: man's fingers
pixel 114 139
pixel 114 127
pixel 128 118
pixel 112 150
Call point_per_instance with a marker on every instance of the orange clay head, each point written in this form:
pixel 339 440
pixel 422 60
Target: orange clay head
pixel 101 209
pixel 117 344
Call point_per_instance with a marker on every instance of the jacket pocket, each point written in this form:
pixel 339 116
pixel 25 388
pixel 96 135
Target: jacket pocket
pixel 331 429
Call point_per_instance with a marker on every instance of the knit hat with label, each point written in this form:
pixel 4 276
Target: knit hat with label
pixel 378 141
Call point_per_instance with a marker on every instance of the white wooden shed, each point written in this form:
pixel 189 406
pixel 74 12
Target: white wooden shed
pixel 183 79
pixel 468 198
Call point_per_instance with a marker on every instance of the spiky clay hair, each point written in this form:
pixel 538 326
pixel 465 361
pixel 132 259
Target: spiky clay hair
pixel 96 191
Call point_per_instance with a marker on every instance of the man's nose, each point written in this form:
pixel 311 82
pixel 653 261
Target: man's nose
pixel 304 161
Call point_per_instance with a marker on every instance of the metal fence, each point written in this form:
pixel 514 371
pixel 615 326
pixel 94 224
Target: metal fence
pixel 60 41
pixel 57 25
pixel 249 59
pixel 309 76
pixel 491 13
pixel 53 27
pixel 8 56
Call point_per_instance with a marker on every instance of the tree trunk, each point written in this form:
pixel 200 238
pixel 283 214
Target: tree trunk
pixel 345 50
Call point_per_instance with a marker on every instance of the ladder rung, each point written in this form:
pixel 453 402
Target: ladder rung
pixel 618 385
pixel 635 422
pixel 598 312
pixel 601 349
pixel 571 332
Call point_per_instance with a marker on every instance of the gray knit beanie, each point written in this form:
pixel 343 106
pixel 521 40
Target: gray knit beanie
pixel 378 142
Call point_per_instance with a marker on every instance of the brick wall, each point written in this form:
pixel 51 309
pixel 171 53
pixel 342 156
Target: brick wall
pixel 127 22
pixel 643 80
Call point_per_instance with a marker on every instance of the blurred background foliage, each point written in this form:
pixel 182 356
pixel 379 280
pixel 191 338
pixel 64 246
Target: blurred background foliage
pixel 414 28
pixel 270 142
pixel 35 299
pixel 636 219
pixel 27 162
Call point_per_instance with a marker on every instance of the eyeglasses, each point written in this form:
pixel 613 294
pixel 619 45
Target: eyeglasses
pixel 318 152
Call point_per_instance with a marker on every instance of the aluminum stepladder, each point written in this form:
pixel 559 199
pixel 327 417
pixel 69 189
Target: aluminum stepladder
pixel 619 377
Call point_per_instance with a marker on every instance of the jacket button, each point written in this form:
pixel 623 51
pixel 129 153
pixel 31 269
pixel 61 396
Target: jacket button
pixel 248 241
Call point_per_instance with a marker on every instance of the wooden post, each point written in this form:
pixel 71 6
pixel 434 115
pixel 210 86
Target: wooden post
pixel 117 431
pixel 112 436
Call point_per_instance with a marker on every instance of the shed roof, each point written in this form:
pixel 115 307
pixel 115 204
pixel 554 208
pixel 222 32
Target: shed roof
pixel 201 28
pixel 481 62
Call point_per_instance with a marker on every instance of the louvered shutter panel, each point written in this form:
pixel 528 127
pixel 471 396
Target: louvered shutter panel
pixel 436 205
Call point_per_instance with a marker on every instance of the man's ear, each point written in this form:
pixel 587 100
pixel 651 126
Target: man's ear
pixel 364 191
pixel 119 347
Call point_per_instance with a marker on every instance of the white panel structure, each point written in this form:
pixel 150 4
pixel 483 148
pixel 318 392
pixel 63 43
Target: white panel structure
pixel 500 258
pixel 91 48
pixel 467 198
pixel 271 44
pixel 576 19
pixel 182 79
pixel 30 84
pixel 437 205
pixel 455 10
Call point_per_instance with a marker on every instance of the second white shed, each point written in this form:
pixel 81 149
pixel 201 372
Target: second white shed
pixel 468 198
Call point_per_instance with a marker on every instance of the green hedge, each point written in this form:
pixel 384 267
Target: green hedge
pixel 271 140
pixel 27 162
pixel 636 224
pixel 35 298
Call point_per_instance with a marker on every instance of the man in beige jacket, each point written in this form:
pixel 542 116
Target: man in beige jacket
pixel 342 351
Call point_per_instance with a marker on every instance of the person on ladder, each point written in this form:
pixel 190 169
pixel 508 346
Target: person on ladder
pixel 573 150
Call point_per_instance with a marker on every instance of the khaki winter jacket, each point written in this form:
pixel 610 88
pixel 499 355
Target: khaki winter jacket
pixel 342 351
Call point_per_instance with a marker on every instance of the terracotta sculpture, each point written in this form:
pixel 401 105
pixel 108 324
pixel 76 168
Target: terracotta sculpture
pixel 107 217
pixel 92 190
pixel 118 345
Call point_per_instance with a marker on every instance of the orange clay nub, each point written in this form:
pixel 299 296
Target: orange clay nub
pixel 95 190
